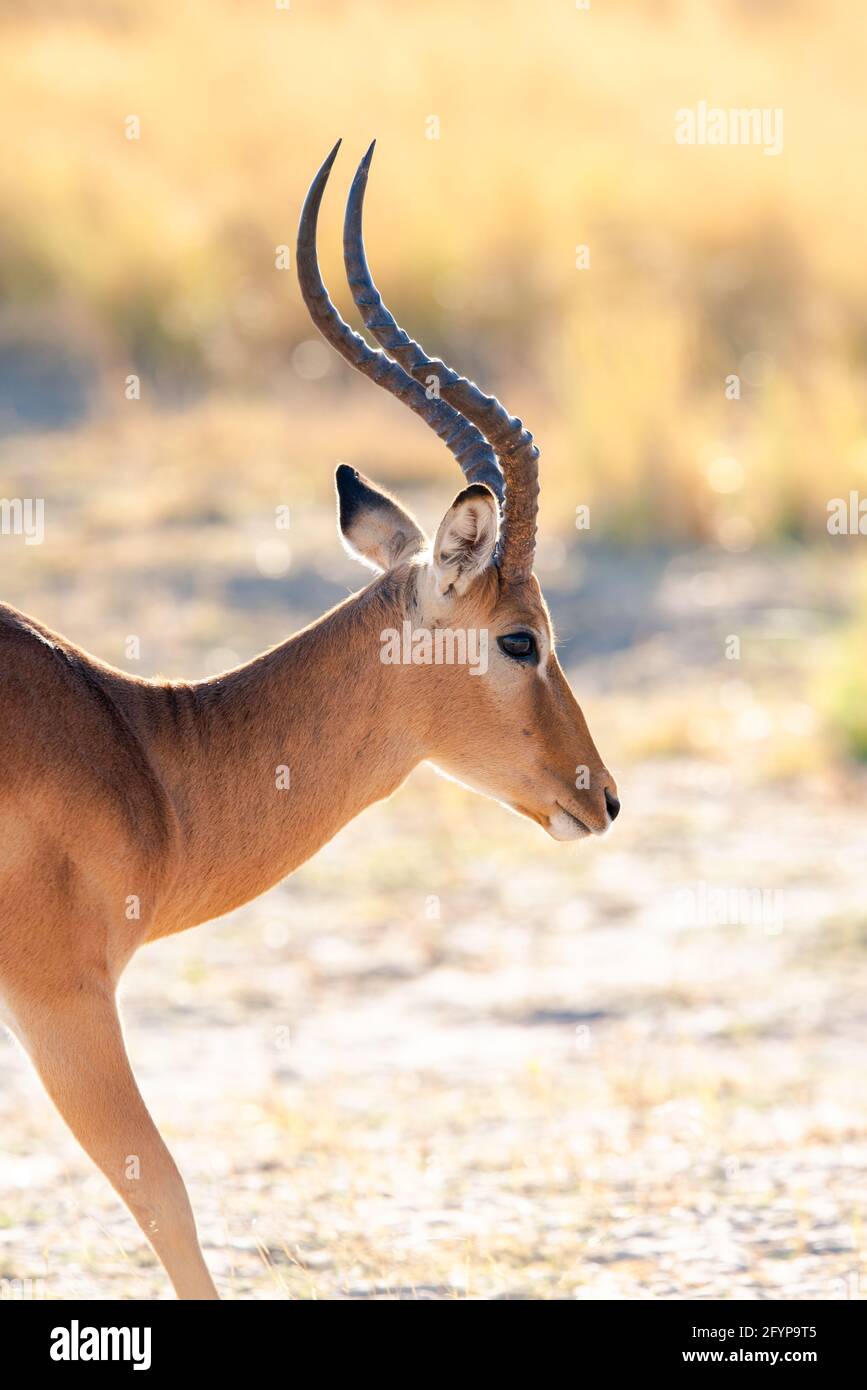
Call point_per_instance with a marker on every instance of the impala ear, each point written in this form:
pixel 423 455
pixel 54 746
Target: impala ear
pixel 466 539
pixel 375 528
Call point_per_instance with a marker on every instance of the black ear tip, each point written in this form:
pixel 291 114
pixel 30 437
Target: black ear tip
pixel 475 490
pixel 348 486
pixel 352 486
pixel 353 492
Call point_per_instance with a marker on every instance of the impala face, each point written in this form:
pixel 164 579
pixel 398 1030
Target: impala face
pixel 508 726
pixel 530 746
pixel 512 730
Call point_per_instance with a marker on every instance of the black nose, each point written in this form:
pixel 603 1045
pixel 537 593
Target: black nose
pixel 613 805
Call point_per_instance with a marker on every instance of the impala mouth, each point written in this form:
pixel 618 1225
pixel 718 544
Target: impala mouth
pixel 565 825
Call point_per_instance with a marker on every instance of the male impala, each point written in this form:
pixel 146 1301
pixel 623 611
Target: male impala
pixel 116 788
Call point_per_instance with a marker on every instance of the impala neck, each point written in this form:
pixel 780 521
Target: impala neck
pixel 265 764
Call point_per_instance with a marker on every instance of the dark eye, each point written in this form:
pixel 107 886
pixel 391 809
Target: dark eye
pixel 519 645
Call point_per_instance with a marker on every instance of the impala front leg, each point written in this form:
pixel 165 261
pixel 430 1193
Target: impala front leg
pixel 76 1045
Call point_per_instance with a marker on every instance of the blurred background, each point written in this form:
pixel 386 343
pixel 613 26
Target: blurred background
pixel 448 1058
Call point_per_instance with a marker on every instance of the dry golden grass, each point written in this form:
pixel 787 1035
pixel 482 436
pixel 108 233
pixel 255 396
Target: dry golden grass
pixel 556 130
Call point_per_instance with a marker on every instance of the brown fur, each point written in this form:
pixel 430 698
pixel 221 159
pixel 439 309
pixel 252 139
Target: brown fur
pixel 117 789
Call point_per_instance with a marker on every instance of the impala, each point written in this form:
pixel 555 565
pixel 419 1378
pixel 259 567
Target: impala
pixel 172 796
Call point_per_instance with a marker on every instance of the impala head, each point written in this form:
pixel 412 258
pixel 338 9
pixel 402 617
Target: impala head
pixel 476 642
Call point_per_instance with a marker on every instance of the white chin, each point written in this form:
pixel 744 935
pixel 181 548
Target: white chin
pixel 562 826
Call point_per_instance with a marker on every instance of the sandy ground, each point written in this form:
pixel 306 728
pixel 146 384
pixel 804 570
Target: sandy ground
pixel 450 1059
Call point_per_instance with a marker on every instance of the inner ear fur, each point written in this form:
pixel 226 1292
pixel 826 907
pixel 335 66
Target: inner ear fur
pixel 466 539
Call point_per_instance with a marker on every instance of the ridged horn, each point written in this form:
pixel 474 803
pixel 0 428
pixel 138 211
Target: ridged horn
pixel 513 444
pixel 474 454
